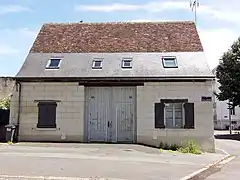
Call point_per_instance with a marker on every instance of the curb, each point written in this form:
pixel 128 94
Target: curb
pixel 203 170
pixel 49 178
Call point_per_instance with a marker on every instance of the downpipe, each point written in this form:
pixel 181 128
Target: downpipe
pixel 19 102
pixel 16 130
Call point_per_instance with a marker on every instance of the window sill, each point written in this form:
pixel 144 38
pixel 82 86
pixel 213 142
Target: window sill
pixel 179 129
pixel 46 129
pixel 175 129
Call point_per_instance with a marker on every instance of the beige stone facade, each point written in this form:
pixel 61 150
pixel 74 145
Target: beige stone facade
pixel 69 117
pixel 70 112
pixel 153 92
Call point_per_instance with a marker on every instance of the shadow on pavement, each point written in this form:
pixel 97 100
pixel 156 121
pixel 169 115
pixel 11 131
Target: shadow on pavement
pixel 228 136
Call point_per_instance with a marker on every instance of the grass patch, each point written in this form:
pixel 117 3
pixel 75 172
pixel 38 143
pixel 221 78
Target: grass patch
pixel 188 147
pixel 10 143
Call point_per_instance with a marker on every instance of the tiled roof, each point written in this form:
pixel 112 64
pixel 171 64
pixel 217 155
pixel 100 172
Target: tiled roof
pixel 117 37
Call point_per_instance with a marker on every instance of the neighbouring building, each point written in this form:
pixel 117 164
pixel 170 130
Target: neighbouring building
pixel 6 86
pixel 221 118
pixel 115 82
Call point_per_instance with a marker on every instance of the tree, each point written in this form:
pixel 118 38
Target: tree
pixel 5 103
pixel 228 75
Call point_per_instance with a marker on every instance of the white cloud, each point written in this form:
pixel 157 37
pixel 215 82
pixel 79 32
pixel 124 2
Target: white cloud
pixel 16 40
pixel 4 50
pixel 151 6
pixel 216 42
pixel 13 9
pixel 219 13
pixel 107 8
pixel 211 9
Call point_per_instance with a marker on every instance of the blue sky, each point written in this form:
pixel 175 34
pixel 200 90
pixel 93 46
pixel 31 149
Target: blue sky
pixel 218 22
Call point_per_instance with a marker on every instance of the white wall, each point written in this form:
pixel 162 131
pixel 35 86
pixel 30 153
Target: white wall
pixel 223 113
pixel 151 93
pixel 70 111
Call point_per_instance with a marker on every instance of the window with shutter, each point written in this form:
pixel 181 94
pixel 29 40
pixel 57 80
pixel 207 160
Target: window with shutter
pixel 173 112
pixel 47 115
pixel 159 115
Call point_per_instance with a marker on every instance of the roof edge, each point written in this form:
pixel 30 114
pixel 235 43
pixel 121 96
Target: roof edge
pixel 121 22
pixel 115 78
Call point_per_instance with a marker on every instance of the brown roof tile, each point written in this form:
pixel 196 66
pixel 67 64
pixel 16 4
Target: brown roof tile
pixel 117 37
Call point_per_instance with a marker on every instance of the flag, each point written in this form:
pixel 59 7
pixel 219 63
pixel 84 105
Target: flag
pixel 194 3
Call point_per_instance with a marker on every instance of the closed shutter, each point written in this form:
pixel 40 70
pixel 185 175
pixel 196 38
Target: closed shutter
pixel 159 115
pixel 189 115
pixel 47 115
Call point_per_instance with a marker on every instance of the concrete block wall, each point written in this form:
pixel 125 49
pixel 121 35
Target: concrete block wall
pixel 151 93
pixel 69 116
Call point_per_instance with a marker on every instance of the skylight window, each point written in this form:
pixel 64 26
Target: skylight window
pixel 97 64
pixel 169 62
pixel 127 63
pixel 53 63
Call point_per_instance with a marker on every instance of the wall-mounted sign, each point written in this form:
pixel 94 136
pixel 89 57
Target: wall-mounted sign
pixel 206 98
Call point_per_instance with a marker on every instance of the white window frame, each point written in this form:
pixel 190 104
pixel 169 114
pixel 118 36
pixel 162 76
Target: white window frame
pixel 53 67
pixel 174 121
pixel 97 60
pixel 165 58
pixel 126 60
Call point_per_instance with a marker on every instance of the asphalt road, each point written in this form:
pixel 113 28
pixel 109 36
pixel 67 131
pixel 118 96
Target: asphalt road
pixel 35 161
pixel 230 171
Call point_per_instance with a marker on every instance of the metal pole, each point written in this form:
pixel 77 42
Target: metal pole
pixel 195 12
pixel 230 117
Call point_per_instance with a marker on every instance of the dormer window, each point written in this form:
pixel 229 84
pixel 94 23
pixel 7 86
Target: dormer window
pixel 53 63
pixel 127 63
pixel 97 63
pixel 169 62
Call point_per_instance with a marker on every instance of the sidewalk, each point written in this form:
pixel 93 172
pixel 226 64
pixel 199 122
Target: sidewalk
pixel 232 169
pixel 110 161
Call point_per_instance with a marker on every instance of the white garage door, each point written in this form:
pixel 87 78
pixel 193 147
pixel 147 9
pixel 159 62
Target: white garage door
pixel 110 114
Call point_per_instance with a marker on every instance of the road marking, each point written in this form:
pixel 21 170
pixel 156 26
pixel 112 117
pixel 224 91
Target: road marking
pixel 225 161
pixel 52 178
pixel 225 152
pixel 222 161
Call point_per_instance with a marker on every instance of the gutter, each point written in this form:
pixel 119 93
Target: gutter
pixel 140 79
pixel 19 102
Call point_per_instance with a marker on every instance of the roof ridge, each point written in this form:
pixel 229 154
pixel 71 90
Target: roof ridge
pixel 122 22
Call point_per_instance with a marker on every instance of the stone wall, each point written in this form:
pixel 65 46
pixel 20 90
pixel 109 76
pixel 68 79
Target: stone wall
pixel 151 93
pixel 69 117
pixel 6 86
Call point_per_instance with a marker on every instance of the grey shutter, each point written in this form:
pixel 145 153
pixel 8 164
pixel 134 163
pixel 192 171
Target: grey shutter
pixel 189 115
pixel 42 117
pixel 159 115
pixel 46 115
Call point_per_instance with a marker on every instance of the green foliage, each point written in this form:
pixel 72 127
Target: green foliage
pixel 188 147
pixel 228 74
pixel 166 146
pixel 5 103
